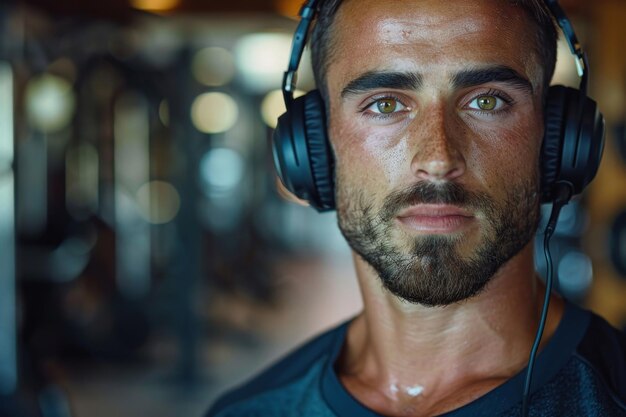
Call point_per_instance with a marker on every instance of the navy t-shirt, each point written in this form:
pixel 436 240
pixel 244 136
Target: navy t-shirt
pixel 581 372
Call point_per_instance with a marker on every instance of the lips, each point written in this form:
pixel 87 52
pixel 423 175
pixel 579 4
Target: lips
pixel 435 218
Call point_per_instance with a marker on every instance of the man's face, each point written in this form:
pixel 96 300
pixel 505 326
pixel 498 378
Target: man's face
pixel 436 124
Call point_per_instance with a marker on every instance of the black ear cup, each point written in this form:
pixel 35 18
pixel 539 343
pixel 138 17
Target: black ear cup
pixel 302 154
pixel 573 141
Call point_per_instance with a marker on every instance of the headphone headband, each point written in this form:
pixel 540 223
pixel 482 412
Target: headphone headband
pixel 307 14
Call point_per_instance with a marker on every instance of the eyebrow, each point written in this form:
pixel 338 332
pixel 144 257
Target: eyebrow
pixel 375 79
pixel 500 73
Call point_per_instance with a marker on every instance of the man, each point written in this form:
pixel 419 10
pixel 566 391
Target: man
pixel 435 114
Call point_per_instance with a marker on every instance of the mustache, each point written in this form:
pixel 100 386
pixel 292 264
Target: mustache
pixel 430 193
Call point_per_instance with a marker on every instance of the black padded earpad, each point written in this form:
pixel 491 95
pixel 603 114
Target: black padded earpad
pixel 320 155
pixel 552 140
pixel 573 141
pixel 302 154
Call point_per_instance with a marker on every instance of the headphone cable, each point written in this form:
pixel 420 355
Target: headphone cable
pixel 563 195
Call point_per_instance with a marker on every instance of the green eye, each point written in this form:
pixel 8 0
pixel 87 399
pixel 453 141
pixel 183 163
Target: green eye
pixel 487 102
pixel 386 105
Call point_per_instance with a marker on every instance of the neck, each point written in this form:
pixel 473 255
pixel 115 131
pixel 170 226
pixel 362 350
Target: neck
pixel 398 354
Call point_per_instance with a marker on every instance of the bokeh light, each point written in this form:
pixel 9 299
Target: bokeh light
pixel 262 58
pixel 221 170
pixel 288 8
pixel 158 202
pixel 214 112
pixel 213 66
pixel 154 5
pixel 575 273
pixel 273 106
pixel 50 103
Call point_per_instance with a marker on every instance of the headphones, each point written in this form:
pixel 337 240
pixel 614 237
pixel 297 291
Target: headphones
pixel 571 151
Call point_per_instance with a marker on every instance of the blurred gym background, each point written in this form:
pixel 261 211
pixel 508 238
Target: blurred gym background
pixel 148 257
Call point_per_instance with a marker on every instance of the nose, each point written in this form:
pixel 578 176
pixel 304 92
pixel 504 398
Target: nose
pixel 437 155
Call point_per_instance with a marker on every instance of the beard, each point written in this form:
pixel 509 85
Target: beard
pixel 431 270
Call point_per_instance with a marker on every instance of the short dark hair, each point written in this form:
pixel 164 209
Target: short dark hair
pixel 322 42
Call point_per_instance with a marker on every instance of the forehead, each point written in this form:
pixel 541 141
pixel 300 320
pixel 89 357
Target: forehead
pixel 433 36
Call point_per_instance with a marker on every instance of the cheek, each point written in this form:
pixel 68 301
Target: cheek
pixel 366 155
pixel 506 155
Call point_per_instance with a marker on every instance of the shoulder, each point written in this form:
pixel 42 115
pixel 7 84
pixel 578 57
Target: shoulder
pixel 295 375
pixel 603 349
